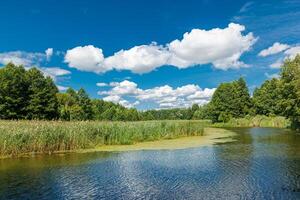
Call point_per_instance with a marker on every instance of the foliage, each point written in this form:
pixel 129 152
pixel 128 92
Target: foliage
pixel 26 94
pixel 290 78
pixel 42 101
pixel 230 100
pixel 266 99
pixel 256 121
pixel 31 95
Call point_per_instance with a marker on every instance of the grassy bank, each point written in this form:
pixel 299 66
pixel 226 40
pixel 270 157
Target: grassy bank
pixel 257 121
pixel 23 137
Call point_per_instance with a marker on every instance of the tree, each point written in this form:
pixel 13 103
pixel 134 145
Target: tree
pixel 202 112
pixel 290 77
pixel 42 100
pixel 230 100
pixel 266 99
pixel 242 100
pixel 13 92
pixel 85 103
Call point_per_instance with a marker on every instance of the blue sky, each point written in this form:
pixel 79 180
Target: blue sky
pixel 137 51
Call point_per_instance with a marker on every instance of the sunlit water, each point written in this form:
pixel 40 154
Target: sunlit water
pixel 262 163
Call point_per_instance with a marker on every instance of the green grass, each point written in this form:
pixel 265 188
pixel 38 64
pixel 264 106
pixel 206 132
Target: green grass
pixel 23 137
pixel 256 121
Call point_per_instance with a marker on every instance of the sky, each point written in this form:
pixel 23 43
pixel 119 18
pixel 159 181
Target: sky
pixel 150 54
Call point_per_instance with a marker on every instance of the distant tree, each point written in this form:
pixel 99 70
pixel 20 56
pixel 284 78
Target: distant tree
pixel 86 105
pixel 202 112
pixel 109 113
pixel 98 106
pixel 243 102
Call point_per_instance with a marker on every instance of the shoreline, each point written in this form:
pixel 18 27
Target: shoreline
pixel 210 137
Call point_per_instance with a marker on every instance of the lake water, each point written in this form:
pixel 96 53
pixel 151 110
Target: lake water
pixel 263 163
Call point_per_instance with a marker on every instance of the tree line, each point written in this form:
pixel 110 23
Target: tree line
pixel 28 94
pixel 275 97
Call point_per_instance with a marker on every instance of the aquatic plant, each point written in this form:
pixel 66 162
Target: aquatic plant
pixel 19 137
pixel 256 121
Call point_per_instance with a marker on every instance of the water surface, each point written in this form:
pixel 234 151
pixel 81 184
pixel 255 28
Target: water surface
pixel 262 163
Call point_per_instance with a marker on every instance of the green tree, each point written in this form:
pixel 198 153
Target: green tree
pixel 230 100
pixel 13 92
pixel 267 98
pixel 242 100
pixel 85 103
pixel 290 77
pixel 42 100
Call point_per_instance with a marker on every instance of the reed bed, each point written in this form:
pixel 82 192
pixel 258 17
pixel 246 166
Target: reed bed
pixel 23 137
pixel 257 121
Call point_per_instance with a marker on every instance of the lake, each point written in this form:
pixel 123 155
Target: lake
pixel 262 163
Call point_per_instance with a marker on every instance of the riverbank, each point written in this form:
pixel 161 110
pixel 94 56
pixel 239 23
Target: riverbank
pixel 210 136
pixel 256 121
pixel 19 138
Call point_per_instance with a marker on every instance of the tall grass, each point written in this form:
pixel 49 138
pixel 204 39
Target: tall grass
pixel 21 137
pixel 257 121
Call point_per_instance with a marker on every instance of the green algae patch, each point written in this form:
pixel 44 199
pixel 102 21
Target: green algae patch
pixel 210 137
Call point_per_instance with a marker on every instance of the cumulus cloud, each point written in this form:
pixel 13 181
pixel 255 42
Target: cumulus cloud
pixel 274 49
pixel 162 96
pixel 220 47
pixel 86 58
pixel 139 59
pixel 49 53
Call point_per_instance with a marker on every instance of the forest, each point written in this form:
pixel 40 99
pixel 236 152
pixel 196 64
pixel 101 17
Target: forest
pixel 28 94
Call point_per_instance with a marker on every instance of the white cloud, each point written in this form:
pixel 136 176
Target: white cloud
pixel 112 98
pixel 61 88
pixel 21 58
pixel 289 53
pixel 277 64
pixel 220 47
pixel 139 59
pixel 270 76
pixel 127 104
pixel 246 6
pixel 274 49
pixel 54 72
pixel 101 84
pixel 204 94
pixel 49 53
pixel 162 96
pixel 27 59
pixel 86 58
pixel 292 52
